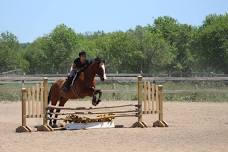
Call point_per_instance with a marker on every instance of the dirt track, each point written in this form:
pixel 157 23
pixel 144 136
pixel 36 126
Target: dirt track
pixel 193 127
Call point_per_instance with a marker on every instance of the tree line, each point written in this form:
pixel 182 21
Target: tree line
pixel 165 46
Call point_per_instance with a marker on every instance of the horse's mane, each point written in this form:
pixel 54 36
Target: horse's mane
pixel 97 59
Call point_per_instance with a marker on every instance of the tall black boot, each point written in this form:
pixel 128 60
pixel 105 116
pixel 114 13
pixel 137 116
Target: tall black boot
pixel 67 83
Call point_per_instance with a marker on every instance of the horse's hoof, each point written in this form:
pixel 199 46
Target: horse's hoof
pixel 95 103
pixel 50 123
pixel 98 101
pixel 54 126
pixel 61 125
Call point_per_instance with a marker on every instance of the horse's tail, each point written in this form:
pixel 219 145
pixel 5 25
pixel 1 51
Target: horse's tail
pixel 49 95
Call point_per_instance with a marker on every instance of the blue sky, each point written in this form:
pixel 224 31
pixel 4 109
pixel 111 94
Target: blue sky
pixel 29 19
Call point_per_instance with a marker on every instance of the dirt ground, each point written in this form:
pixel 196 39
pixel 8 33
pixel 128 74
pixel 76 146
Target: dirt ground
pixel 193 127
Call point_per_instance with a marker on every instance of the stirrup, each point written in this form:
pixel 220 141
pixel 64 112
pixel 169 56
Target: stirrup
pixel 66 88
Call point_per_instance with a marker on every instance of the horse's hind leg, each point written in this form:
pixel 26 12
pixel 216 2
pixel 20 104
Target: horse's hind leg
pixel 62 102
pixel 51 111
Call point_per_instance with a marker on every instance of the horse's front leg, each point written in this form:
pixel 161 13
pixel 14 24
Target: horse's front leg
pixel 99 95
pixel 96 101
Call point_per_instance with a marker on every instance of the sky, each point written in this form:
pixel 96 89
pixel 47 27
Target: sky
pixel 30 19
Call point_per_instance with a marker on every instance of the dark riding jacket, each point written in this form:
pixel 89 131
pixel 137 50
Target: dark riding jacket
pixel 80 65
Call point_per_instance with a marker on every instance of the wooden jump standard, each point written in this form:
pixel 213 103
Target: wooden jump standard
pixel 35 105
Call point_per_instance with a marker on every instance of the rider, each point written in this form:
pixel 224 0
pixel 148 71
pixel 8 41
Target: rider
pixel 79 65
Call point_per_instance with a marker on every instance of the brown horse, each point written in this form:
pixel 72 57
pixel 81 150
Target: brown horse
pixel 83 86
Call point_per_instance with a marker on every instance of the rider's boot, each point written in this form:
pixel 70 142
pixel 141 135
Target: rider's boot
pixel 67 83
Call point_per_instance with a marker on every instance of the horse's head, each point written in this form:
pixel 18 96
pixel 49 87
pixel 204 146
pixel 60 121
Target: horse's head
pixel 100 71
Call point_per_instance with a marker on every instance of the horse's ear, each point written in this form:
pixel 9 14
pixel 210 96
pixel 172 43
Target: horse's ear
pixel 98 59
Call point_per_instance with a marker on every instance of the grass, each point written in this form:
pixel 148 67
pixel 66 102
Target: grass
pixel 215 91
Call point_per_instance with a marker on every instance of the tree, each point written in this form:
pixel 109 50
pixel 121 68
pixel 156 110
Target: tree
pixel 158 54
pixel 212 43
pixel 62 41
pixel 10 50
pixel 53 52
pixel 164 46
pixel 35 55
pixel 180 37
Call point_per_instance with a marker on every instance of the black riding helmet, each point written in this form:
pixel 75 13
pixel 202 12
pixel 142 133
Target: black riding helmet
pixel 82 53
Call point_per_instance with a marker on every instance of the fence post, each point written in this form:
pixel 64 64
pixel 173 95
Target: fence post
pixel 23 127
pixel 45 126
pixel 45 101
pixel 140 123
pixel 160 122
